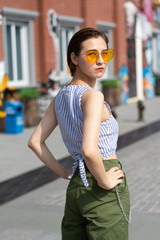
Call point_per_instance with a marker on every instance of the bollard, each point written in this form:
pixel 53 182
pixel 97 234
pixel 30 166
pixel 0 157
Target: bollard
pixel 141 109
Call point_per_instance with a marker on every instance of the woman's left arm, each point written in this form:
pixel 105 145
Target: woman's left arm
pixel 39 147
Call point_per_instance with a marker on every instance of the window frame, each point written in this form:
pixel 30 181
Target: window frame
pixel 24 53
pixel 26 18
pixel 155 64
pixel 107 28
pixel 66 23
pixel 64 74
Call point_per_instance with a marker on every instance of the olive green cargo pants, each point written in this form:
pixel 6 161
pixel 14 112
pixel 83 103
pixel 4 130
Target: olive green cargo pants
pixel 93 213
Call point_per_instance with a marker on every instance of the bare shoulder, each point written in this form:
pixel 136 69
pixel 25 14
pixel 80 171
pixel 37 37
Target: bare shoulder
pixel 91 100
pixel 92 93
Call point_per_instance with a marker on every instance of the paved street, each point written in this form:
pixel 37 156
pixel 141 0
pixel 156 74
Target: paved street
pixel 37 215
pixel 141 162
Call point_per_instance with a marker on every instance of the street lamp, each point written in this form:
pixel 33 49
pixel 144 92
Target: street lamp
pixel 139 68
pixel 139 59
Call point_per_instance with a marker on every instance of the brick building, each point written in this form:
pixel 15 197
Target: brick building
pixel 34 35
pixel 29 49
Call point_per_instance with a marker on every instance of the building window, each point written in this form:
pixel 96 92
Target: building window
pixel 18 44
pixel 107 28
pixel 17 53
pixel 65 36
pixel 156 51
pixel 67 27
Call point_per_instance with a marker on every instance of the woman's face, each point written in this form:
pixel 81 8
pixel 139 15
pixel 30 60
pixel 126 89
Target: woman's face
pixel 85 67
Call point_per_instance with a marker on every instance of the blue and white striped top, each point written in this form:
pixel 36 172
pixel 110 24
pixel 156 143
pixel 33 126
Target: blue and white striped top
pixel 70 119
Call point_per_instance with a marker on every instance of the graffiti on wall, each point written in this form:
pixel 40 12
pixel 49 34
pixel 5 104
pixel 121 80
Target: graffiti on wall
pixel 124 77
pixel 148 83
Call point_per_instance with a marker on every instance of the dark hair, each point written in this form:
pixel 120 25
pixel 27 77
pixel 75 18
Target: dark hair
pixel 76 43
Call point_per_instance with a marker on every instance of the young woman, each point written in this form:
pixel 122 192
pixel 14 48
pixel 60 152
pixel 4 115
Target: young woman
pixel 97 199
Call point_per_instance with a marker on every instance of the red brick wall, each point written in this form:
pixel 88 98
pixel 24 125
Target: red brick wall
pixel 119 35
pixel 101 10
pixel 22 4
pixel 68 7
pixel 90 10
pixel 46 48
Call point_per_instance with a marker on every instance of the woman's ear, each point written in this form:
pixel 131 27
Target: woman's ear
pixel 74 58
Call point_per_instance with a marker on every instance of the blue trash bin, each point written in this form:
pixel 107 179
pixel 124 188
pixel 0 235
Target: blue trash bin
pixel 14 117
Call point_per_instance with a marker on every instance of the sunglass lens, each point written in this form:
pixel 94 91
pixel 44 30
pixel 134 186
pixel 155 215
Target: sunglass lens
pixel 107 55
pixel 92 56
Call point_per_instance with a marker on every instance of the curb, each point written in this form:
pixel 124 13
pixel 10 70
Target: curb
pixel 22 184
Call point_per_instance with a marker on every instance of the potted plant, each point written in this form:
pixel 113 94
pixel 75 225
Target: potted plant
pixel 111 91
pixel 29 98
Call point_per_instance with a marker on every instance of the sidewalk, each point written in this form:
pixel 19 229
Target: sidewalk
pixel 37 214
pixel 17 158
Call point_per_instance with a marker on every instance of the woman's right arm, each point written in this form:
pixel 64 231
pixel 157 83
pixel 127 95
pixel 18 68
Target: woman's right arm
pixel 39 147
pixel 92 106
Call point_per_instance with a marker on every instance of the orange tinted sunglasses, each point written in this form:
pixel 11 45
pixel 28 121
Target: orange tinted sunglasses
pixel 93 55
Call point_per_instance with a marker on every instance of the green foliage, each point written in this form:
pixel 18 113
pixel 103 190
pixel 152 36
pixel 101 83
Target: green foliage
pixel 110 83
pixel 28 93
pixel 157 77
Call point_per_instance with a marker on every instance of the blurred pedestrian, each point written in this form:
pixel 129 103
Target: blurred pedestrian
pixel 97 199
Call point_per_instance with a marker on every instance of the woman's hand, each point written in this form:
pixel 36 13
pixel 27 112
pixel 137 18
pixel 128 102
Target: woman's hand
pixel 67 173
pixel 113 178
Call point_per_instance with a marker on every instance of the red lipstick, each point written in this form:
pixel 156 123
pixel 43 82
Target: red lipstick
pixel 99 69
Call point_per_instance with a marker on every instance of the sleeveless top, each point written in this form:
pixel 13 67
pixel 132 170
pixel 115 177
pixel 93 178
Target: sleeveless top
pixel 70 120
